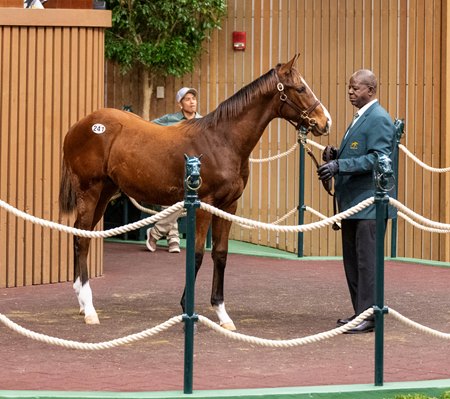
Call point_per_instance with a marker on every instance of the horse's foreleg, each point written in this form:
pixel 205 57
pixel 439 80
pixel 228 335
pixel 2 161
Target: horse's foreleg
pixel 220 231
pixel 217 297
pixel 198 264
pixel 203 220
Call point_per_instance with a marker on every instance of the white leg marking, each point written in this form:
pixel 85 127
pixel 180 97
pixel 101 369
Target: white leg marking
pixel 77 288
pixel 224 320
pixel 89 310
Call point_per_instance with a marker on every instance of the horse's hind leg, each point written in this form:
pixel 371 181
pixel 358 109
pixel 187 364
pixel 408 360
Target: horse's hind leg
pixel 91 206
pixel 220 233
pixel 81 280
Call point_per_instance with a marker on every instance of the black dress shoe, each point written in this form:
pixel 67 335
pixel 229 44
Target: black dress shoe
pixel 363 327
pixel 341 322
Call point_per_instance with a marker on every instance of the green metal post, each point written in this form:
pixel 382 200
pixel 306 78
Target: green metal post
pixel 191 185
pixel 383 172
pixel 301 197
pixel 399 129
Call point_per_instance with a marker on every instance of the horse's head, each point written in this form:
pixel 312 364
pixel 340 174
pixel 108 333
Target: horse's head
pixel 298 103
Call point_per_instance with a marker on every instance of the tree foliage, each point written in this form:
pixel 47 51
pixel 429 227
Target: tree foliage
pixel 163 36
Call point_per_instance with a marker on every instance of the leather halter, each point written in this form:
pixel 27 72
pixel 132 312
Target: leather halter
pixel 303 113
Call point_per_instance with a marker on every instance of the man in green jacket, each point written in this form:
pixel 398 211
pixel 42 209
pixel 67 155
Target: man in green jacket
pixel 371 132
pixel 168 227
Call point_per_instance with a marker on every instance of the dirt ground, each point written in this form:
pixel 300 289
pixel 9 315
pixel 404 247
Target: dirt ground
pixel 269 298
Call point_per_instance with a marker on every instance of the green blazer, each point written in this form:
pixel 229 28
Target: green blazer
pixel 372 133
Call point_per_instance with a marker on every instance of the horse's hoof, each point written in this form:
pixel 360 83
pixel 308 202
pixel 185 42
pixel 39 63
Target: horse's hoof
pixel 92 319
pixel 229 326
pixel 81 312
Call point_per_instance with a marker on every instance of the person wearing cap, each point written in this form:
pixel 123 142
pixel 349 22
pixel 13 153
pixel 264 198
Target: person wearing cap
pixel 168 227
pixel 187 99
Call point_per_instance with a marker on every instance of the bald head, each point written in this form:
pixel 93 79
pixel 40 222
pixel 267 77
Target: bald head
pixel 362 87
pixel 367 77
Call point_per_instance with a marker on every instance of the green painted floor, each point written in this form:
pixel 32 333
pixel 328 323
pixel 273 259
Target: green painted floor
pixel 245 248
pixel 239 247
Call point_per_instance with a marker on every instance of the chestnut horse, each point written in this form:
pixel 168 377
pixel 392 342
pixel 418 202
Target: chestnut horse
pixel 111 150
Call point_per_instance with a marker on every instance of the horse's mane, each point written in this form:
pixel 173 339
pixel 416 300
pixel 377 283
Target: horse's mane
pixel 233 105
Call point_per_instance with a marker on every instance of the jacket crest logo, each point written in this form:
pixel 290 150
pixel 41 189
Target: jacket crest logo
pixel 354 145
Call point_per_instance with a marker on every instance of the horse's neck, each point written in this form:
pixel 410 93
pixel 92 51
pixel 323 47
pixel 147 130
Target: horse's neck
pixel 247 127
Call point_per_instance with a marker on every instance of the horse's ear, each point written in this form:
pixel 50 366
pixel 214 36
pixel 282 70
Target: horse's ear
pixel 286 68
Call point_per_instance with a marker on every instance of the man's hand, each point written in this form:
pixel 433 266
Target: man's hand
pixel 329 153
pixel 328 170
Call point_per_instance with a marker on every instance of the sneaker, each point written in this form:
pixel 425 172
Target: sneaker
pixel 174 247
pixel 151 242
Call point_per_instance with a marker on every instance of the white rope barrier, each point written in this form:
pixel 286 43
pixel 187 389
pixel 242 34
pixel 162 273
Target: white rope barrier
pixel 421 163
pixel 273 343
pixel 89 346
pixel 142 208
pixel 417 326
pixel 288 343
pixel 89 233
pixel 179 205
pixel 147 210
pixel 421 227
pixel 281 219
pixel 406 213
pixel 278 221
pixel 399 213
pixel 283 154
pixel 317 213
pixel 412 214
pixel 288 229
pixel 320 147
pixel 407 152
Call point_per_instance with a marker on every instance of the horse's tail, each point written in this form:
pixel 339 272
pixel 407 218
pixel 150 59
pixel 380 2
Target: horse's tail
pixel 67 198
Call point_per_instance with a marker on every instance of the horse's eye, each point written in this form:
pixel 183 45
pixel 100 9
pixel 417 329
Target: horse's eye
pixel 301 89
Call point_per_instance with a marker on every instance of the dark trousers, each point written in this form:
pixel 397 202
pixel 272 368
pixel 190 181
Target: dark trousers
pixel 358 247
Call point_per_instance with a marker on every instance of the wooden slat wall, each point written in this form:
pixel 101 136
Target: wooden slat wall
pixel 49 78
pixel 445 127
pixel 400 40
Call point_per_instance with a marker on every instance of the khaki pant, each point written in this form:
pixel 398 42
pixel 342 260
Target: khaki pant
pixel 167 227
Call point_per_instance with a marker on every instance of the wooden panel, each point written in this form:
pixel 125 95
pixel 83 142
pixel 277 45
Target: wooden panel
pixel 401 41
pixel 11 3
pixel 434 82
pixel 69 4
pixel 445 127
pixel 4 138
pixel 39 104
pixel 38 17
